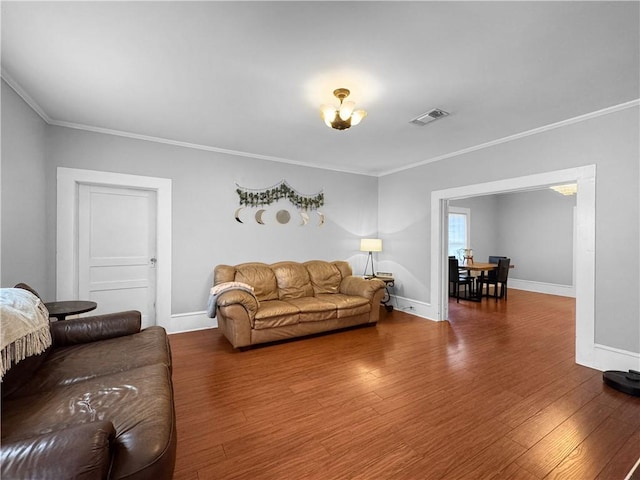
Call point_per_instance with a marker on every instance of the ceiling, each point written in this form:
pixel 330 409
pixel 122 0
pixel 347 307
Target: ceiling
pixel 249 77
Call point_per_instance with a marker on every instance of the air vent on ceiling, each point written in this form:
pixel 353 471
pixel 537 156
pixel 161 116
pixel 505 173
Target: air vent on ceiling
pixel 430 116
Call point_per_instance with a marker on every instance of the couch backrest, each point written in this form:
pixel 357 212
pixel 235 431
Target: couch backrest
pixel 286 280
pixel 325 277
pixel 344 267
pixel 293 280
pixel 261 277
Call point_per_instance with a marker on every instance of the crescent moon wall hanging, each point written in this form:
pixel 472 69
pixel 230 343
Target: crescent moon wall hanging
pixel 304 216
pixel 321 221
pixel 237 215
pixel 259 216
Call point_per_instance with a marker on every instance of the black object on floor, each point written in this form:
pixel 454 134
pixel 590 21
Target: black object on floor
pixel 627 382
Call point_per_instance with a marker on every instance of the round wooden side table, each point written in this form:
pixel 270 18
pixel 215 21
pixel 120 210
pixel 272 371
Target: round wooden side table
pixel 61 310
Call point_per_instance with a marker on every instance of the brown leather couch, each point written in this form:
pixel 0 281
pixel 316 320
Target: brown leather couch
pixel 293 299
pixel 97 404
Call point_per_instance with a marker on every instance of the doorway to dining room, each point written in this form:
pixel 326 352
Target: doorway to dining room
pixel 534 228
pixel 584 245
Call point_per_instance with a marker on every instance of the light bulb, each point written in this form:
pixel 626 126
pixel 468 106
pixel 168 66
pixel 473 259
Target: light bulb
pixel 328 113
pixel 357 117
pixel 346 108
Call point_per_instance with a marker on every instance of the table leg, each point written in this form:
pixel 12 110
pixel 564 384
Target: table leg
pixel 480 284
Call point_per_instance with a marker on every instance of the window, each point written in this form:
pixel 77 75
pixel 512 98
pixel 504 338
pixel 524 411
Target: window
pixel 459 223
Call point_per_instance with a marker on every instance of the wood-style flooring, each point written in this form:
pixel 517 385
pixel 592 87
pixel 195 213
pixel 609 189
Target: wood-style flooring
pixel 493 393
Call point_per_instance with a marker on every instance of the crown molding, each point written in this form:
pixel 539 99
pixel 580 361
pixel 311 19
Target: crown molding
pixel 535 131
pixel 6 76
pixel 196 146
pixel 36 107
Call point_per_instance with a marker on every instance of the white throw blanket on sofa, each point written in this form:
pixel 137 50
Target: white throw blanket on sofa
pixel 24 326
pixel 221 288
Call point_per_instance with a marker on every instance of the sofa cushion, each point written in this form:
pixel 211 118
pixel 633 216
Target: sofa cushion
pixel 347 305
pixel 260 277
pixel 83 361
pixel 275 313
pixel 79 452
pixel 139 403
pixel 325 277
pixel 314 309
pixel 344 267
pixel 21 373
pixel 293 280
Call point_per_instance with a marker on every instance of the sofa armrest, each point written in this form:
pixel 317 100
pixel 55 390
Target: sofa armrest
pixel 239 297
pixel 359 286
pixel 80 452
pixel 95 328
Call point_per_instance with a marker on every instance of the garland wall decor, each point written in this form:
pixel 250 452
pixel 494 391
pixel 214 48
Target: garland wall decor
pixel 261 197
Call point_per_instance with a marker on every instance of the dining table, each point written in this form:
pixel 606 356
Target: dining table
pixel 476 294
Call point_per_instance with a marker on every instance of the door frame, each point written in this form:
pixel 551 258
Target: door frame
pixel 584 252
pixel 68 182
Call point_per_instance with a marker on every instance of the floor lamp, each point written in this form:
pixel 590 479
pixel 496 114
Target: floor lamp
pixel 370 245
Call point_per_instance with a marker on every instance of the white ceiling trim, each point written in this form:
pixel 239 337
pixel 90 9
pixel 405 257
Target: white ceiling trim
pixel 34 105
pixel 562 123
pixel 6 76
pixel 107 131
pixel 148 138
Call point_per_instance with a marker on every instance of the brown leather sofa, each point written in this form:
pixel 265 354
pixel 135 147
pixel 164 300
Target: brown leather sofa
pixel 293 299
pixel 97 404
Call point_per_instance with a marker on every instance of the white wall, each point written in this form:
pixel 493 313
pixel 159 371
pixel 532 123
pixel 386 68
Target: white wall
pixel 205 232
pixel 537 229
pixel 611 142
pixel 24 223
pixel 533 228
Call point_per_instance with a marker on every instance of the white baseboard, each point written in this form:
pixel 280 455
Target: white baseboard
pixel 188 322
pixel 609 358
pixel 427 310
pixel 541 287
pixel 413 307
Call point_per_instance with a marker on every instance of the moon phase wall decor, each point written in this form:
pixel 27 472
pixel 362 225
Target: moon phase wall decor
pixel 237 215
pixel 261 197
pixel 259 216
pixel 283 217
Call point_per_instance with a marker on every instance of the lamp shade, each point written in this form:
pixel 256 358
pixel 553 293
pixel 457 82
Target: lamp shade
pixel 370 245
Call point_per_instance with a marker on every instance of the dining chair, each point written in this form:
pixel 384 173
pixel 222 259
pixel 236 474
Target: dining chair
pixel 500 277
pixel 456 279
pixel 491 274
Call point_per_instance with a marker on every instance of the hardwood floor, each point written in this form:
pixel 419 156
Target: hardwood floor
pixel 493 393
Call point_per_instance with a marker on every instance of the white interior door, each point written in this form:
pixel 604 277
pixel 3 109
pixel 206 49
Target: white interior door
pixel 117 249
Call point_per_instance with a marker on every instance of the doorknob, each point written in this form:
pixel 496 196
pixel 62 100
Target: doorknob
pixel 153 261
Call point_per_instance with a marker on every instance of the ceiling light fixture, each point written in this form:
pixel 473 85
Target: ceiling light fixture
pixel 344 116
